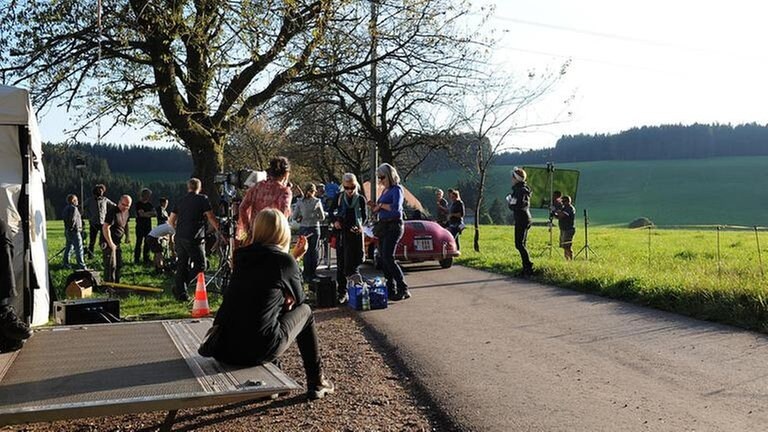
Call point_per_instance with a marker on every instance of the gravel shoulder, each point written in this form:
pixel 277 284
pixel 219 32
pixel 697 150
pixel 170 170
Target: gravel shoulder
pixel 373 394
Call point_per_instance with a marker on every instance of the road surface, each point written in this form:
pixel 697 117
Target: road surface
pixel 503 354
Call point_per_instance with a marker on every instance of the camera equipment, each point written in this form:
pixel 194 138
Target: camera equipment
pixel 240 179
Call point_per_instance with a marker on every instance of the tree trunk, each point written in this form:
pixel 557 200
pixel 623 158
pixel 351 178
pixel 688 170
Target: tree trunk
pixel 208 160
pixel 480 187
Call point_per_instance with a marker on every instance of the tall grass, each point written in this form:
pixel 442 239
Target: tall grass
pixel 681 276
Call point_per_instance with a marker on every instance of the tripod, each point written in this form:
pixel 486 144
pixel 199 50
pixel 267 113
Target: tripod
pixel 220 279
pixel 586 249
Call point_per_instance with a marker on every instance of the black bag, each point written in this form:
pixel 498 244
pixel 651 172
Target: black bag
pixel 211 340
pixel 325 291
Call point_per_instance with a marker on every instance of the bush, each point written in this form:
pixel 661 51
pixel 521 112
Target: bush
pixel 640 223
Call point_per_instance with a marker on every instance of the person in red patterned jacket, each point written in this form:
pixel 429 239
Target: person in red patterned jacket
pixel 274 192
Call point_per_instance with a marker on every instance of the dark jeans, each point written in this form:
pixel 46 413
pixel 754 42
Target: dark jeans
pixel 299 325
pixel 456 232
pixel 112 267
pixel 349 257
pixel 392 232
pixel 522 225
pixel 310 258
pixel 94 232
pixel 141 237
pixel 186 251
pixel 7 277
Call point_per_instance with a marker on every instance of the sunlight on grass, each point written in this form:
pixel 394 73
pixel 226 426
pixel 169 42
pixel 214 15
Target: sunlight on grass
pixel 682 274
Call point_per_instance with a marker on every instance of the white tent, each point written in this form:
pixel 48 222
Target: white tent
pixel 22 204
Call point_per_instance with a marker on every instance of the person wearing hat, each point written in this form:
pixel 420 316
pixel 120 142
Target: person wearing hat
pixel 519 202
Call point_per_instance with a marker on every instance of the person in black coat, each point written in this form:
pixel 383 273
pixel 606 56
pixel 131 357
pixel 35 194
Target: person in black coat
pixel 348 214
pixel 263 310
pixel 519 202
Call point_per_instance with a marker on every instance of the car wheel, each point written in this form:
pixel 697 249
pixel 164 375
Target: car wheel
pixel 446 263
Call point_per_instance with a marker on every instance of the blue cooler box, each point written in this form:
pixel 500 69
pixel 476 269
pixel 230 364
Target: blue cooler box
pixel 377 296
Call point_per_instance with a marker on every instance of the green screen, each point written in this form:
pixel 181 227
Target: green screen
pixel 564 180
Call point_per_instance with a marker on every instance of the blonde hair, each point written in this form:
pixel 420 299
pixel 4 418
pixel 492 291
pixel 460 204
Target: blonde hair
pixel 270 227
pixel 390 172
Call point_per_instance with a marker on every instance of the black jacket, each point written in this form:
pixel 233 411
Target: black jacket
pixel 521 201
pixel 253 303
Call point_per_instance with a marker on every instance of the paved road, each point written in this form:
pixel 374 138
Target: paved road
pixel 507 355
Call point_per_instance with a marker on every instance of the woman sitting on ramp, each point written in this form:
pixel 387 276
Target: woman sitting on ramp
pixel 263 311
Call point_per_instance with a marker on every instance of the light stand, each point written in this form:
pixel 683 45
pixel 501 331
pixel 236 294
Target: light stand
pixel 551 183
pixel 80 167
pixel 586 249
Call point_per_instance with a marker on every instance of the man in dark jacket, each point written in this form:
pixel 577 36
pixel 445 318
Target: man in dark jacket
pixel 189 218
pixel 114 232
pixel 519 202
pixel 13 331
pixel 144 214
pixel 73 232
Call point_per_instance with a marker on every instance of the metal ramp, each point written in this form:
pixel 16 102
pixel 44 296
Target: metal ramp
pixel 110 369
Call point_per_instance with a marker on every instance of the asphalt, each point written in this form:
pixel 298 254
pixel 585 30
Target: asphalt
pixel 501 354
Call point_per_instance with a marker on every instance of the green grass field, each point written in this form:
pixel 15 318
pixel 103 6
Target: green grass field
pixel 682 275
pixel 673 192
pixel 132 306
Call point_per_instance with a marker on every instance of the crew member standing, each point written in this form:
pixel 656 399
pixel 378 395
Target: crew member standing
pixel 519 202
pixel 114 231
pixel 144 214
pixel 566 217
pixel 274 192
pixel 189 218
pixel 442 208
pixel 73 232
pixel 162 211
pixel 96 210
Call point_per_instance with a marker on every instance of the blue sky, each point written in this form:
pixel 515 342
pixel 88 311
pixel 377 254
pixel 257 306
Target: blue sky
pixel 633 64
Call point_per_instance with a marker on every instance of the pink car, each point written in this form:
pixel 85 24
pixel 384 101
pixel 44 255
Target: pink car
pixel 422 241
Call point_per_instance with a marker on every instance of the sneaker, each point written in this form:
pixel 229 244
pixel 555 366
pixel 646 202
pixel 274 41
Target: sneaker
pixel 319 390
pixel 10 345
pixel 11 326
pixel 183 298
pixel 343 299
pixel 406 294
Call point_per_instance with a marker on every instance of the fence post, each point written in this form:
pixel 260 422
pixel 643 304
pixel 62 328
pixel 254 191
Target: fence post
pixel 718 252
pixel 759 254
pixel 649 246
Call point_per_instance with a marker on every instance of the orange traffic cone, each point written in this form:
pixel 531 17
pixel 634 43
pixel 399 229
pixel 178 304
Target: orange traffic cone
pixel 200 308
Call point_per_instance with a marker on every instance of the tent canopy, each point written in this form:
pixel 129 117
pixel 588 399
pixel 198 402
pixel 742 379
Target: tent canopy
pixel 18 126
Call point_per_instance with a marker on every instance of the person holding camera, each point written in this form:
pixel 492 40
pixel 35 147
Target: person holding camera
pixel 519 202
pixel 264 310
pixel 189 219
pixel 309 214
pixel 349 213
pixel 274 192
pixel 566 218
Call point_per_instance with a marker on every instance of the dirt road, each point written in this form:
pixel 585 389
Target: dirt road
pixel 501 354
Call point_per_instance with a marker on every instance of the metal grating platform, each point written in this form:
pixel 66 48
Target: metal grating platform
pixel 98 370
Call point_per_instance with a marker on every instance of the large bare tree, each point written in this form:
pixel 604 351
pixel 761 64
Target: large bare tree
pixel 196 68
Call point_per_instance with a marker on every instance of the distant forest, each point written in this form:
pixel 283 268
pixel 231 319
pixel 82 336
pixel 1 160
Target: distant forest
pixel 104 164
pixel 696 141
